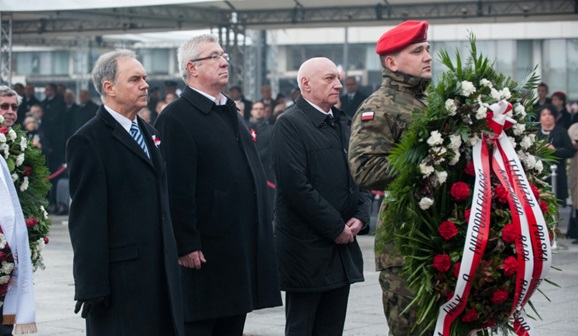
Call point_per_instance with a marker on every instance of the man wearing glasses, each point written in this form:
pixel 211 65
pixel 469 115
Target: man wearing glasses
pixel 9 102
pixel 218 198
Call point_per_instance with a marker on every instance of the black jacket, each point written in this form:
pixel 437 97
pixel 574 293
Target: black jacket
pixel 350 106
pixel 121 233
pixel 219 205
pixel 315 196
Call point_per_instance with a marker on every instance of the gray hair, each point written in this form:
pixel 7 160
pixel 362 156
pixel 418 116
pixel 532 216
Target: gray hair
pixel 8 92
pixel 191 50
pixel 105 68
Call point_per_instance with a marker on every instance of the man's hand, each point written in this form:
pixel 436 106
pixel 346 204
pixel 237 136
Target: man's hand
pixel 88 306
pixel 345 237
pixel 193 260
pixel 355 225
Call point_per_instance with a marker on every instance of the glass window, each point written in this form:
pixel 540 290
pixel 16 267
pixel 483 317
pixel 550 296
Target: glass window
pixel 554 70
pixel 572 90
pixel 524 59
pixel 156 61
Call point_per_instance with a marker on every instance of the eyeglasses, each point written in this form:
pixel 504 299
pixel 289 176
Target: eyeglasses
pixel 6 106
pixel 214 57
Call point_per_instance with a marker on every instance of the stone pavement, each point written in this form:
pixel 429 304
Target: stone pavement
pixel 55 290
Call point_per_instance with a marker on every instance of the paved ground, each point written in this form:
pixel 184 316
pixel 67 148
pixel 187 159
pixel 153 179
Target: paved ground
pixel 54 295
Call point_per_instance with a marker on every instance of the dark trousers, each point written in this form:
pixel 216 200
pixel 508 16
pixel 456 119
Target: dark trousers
pixel 222 326
pixel 318 313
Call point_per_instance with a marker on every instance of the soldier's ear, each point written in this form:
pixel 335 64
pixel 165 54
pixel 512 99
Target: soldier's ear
pixel 391 62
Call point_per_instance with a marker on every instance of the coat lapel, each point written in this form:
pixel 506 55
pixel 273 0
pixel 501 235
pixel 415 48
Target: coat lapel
pixel 123 136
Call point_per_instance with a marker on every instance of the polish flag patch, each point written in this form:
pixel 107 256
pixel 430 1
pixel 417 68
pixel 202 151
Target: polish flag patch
pixel 253 135
pixel 365 116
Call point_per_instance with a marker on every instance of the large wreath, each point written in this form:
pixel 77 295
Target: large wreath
pixel 30 176
pixel 444 174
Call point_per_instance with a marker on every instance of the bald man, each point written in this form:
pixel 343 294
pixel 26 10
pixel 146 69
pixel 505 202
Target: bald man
pixel 319 210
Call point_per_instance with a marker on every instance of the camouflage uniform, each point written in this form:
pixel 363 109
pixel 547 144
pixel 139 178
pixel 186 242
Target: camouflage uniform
pixel 371 141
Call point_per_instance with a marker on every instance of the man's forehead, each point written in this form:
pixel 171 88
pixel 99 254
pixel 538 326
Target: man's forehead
pixel 10 100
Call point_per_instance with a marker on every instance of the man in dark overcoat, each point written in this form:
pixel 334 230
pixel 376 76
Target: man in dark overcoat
pixel 218 198
pixel 318 208
pixel 352 98
pixel 125 265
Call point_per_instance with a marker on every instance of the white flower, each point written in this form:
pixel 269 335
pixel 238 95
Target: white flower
pixel 455 159
pixel 1 119
pixel 520 110
pixel 455 142
pixel 23 143
pixel 2 241
pixel 519 129
pixel 7 267
pixel 441 176
pixel 438 150
pixel 451 107
pixel 539 166
pixel 486 82
pixel 467 88
pixel 530 161
pixel 505 93
pixel 41 244
pixel 11 134
pixel 512 141
pixel 14 177
pixel 425 169
pixel 532 137
pixel 435 139
pixel 473 140
pixel 526 142
pixel 44 213
pixel 482 112
pixel 495 94
pixel 425 203
pixel 2 138
pixel 25 184
pixel 5 149
pixel 4 279
pixel 19 159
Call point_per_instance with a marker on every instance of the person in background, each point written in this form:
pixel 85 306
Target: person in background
pixel 318 208
pixel 261 129
pixel 32 133
pixel 561 143
pixel 236 94
pixel 218 198
pixel 352 98
pixel 559 102
pixel 376 128
pixel 145 115
pixel 543 99
pixel 125 263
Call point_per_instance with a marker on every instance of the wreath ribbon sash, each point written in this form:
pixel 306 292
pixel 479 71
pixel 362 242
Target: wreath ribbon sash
pixel 532 245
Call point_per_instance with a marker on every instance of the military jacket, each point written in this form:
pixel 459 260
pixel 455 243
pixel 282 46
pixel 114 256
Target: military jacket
pixel 376 128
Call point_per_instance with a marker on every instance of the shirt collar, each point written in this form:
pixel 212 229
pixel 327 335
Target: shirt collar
pixel 319 108
pixel 122 120
pixel 221 101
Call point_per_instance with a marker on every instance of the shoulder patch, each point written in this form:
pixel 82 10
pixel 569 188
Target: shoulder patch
pixel 369 115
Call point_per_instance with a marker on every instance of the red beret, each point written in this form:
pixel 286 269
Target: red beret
pixel 560 95
pixel 401 36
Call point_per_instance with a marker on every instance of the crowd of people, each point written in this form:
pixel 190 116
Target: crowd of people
pixel 173 197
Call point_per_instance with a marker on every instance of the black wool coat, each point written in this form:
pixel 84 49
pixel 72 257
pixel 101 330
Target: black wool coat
pixel 315 197
pixel 121 232
pixel 219 205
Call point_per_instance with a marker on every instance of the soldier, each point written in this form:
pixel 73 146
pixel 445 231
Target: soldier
pixel 376 128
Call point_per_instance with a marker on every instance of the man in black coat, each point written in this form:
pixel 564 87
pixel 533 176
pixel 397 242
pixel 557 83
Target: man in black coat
pixel 351 100
pixel 86 111
pixel 125 265
pixel 219 207
pixel 318 208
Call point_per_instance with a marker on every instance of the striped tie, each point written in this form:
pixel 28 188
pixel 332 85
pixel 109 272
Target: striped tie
pixel 137 135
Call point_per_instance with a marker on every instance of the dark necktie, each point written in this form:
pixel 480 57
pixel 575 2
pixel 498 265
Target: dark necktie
pixel 137 135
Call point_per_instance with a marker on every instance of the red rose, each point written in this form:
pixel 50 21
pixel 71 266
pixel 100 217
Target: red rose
pixel 535 191
pixel 46 240
pixel 457 269
pixel 467 214
pixel 4 289
pixel 31 222
pixel 499 296
pixel 4 129
pixel 27 171
pixel 489 323
pixel 510 266
pixel 501 194
pixel 3 256
pixel 447 230
pixel 544 206
pixel 442 262
pixel 470 169
pixel 509 233
pixel 470 316
pixel 460 191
